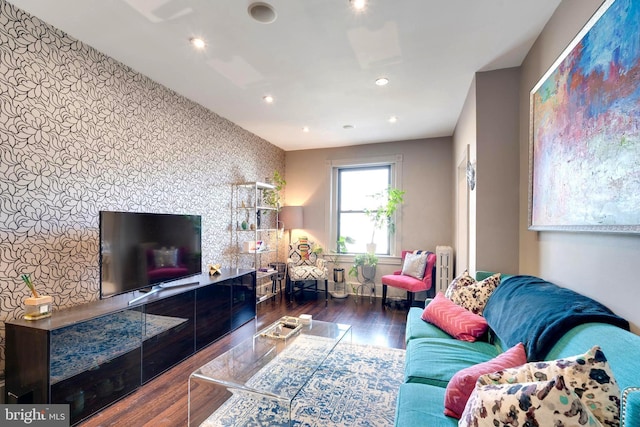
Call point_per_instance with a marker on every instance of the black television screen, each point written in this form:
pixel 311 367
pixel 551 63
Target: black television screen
pixel 138 250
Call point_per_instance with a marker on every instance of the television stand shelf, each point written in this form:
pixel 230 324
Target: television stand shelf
pixel 93 354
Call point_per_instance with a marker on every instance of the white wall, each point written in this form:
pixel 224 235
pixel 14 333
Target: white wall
pixel 602 266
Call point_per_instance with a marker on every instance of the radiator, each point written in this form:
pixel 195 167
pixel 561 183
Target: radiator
pixel 444 267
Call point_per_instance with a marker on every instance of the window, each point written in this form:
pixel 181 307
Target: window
pixel 353 188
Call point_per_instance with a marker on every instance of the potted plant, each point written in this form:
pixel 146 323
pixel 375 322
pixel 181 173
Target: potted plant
pixel 366 263
pixel 272 197
pixel 338 273
pixel 317 249
pixel 341 248
pixel 389 201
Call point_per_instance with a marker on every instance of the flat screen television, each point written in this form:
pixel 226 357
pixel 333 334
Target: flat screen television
pixel 142 250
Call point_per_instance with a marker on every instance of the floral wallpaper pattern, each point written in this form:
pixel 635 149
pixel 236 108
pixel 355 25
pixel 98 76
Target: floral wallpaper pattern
pixel 81 132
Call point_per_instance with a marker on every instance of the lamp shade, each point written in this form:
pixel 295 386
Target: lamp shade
pixel 291 217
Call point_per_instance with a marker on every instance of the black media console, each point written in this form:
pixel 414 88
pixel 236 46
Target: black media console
pixel 91 355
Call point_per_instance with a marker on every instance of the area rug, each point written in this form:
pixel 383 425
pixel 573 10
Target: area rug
pixel 357 385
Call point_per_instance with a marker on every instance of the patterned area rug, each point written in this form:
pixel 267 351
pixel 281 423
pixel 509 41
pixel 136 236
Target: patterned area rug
pixel 356 386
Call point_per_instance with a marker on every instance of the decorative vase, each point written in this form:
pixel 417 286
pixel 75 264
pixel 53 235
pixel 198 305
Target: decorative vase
pixel 339 290
pixel 38 307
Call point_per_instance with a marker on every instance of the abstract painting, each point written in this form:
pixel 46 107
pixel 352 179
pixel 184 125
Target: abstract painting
pixel 584 152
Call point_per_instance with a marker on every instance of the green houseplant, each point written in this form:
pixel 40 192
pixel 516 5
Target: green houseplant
pixel 341 248
pixel 338 272
pixel 388 202
pixel 367 263
pixel 273 197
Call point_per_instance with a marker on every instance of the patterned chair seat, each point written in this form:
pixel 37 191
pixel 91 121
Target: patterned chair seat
pixel 304 265
pixel 307 272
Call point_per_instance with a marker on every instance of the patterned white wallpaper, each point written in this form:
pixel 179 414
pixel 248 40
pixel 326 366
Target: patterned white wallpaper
pixel 81 132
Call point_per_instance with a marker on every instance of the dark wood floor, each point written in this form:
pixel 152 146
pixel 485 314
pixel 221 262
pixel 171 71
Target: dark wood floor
pixel 164 400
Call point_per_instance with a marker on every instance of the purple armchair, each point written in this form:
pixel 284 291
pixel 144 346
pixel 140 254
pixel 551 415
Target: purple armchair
pixel 411 284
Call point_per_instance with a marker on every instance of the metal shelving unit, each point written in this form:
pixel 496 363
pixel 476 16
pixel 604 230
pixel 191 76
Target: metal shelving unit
pixel 255 234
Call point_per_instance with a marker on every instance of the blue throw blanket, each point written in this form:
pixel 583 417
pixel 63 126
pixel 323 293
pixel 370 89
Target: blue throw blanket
pixel 537 313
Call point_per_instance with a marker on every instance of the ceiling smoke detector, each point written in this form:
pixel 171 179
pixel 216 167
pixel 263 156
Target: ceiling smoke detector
pixel 262 12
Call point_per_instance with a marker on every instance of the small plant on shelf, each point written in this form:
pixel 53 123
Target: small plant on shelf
pixel 273 197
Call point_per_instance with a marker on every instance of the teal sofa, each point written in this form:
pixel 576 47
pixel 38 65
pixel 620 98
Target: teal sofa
pixel 433 357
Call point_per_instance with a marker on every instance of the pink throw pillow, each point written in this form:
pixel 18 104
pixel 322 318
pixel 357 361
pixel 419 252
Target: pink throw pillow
pixel 463 382
pixel 457 321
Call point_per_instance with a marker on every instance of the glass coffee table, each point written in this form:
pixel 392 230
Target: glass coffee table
pixel 257 381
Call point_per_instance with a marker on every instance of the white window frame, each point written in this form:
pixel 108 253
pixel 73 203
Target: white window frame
pixel 395 162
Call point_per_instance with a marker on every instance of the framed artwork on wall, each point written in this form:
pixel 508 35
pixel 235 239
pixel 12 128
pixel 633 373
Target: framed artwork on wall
pixel 584 135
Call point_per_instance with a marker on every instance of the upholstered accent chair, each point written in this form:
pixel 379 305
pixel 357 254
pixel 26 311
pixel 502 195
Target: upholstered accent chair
pixel 410 283
pixel 306 268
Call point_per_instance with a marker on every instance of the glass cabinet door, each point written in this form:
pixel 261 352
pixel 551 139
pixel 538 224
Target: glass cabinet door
pixel 243 299
pixel 169 330
pixel 95 362
pixel 213 313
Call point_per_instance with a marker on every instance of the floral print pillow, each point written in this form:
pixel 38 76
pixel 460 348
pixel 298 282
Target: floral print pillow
pixel 588 375
pixel 462 280
pixel 474 297
pixel 539 403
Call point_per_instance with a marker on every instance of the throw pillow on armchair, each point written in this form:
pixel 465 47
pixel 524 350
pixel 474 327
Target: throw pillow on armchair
pixel 415 264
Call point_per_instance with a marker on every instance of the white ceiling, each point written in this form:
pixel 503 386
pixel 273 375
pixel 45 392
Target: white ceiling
pixel 319 59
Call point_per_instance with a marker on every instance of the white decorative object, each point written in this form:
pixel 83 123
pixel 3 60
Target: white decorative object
pixel 305 319
pixel 444 267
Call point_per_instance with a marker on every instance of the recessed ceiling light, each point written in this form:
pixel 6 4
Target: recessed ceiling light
pixel 358 4
pixel 393 119
pixel 348 127
pixel 262 12
pixel 305 129
pixel 382 81
pixel 268 99
pixel 197 42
